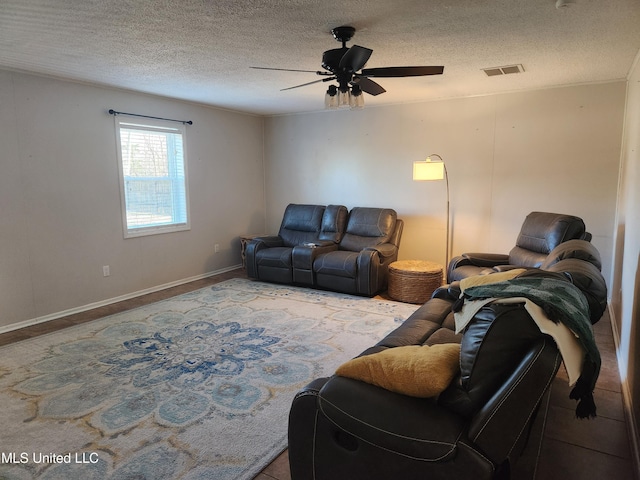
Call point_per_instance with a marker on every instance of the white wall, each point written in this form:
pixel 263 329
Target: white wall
pixel 626 285
pixel 507 155
pixel 60 217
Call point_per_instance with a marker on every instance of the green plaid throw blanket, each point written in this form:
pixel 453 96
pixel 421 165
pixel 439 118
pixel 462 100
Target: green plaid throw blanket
pixel 562 302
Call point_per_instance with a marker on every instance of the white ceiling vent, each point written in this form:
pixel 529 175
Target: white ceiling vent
pixel 506 70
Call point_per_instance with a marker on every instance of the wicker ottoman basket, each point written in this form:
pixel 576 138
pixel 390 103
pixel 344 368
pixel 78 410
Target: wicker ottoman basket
pixel 413 281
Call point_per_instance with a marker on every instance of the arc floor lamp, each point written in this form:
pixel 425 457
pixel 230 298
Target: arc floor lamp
pixel 434 170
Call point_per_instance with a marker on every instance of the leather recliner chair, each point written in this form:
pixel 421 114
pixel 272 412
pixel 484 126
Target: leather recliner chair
pixel 541 232
pixel 360 264
pixel 269 258
pixel 346 429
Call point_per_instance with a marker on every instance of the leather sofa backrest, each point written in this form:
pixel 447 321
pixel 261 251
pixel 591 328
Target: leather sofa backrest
pixel 334 223
pixel 579 260
pixel 300 224
pixel 491 347
pixel 541 232
pixel 589 280
pixel 580 249
pixel 368 227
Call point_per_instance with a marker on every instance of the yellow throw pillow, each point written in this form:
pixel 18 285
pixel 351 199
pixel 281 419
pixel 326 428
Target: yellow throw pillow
pixel 415 370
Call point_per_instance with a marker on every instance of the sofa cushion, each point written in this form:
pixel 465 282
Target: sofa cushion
pixel 279 257
pixel 340 263
pixel 415 370
pixel 368 227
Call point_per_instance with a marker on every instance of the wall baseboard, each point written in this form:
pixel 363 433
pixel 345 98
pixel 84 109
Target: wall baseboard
pixel 109 301
pixel 627 402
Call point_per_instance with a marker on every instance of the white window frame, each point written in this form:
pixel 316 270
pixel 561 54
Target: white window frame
pixel 154 228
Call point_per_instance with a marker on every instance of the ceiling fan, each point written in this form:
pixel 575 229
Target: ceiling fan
pixel 345 65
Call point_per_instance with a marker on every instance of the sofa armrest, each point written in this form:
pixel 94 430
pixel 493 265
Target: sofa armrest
pixel 373 267
pixel 267 241
pixel 385 250
pixel 503 420
pixel 449 292
pixel 319 243
pixel 302 430
pixel 486 259
pixel 410 426
pixel 469 264
pixel 504 268
pixel 303 256
pixel 253 247
pixel 478 260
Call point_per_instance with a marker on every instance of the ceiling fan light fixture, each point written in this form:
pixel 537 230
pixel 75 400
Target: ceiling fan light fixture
pixel 346 65
pixel 357 99
pixel 344 97
pixel 331 97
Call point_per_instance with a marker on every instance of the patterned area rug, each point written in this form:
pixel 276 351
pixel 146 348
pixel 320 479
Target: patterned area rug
pixel 194 387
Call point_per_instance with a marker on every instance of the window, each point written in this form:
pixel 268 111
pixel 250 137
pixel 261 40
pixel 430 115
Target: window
pixel 153 178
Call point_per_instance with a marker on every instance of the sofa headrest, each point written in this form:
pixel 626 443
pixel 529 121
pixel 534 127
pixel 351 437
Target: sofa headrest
pixel 334 222
pixel 371 222
pixel 301 224
pixel 368 227
pixel 302 218
pixel 542 232
pixel 580 249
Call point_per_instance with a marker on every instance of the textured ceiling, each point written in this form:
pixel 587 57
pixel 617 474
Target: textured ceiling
pixel 202 50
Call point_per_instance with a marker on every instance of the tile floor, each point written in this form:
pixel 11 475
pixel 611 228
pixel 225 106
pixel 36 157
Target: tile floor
pixel 570 449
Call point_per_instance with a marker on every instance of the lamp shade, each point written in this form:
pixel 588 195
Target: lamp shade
pixel 428 170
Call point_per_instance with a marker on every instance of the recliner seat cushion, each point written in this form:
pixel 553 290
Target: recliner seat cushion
pixel 340 263
pixel 279 257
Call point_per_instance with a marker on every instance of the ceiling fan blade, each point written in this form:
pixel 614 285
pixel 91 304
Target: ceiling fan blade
pixel 308 83
pixel 355 58
pixel 401 71
pixel 368 86
pixel 289 70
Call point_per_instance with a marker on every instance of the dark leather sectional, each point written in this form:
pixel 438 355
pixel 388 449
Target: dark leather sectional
pixel 346 429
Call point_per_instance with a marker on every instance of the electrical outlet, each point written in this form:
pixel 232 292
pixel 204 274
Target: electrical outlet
pixel 105 271
pixel 216 248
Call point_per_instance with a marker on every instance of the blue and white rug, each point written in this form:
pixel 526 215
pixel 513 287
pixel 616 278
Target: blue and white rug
pixel 194 387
